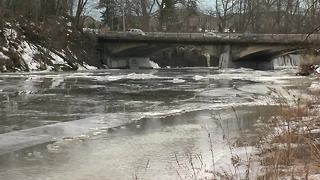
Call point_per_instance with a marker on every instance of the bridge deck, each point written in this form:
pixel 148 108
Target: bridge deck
pixel 214 39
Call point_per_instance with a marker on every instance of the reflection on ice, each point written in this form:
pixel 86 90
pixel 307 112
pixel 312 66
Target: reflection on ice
pixel 119 151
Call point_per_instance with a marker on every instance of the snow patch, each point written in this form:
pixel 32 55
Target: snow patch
pixel 28 52
pixel 10 33
pixel 2 56
pixel 281 79
pixel 154 65
pixel 178 81
pixel 56 59
pixel 132 76
pixel 317 69
pixel 315 86
pixel 198 78
pixel 314 177
pixel 5 49
pixel 86 66
pixel 73 55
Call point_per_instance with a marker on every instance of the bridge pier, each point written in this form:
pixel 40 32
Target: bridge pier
pixel 226 57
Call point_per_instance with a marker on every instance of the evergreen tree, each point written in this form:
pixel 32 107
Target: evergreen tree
pixel 109 15
pixel 167 12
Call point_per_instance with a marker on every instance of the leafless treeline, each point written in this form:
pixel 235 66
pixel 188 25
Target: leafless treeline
pixel 266 16
pixel 42 10
pixel 259 16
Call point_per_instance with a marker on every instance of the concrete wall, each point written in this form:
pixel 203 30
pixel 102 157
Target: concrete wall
pixel 187 56
pixel 128 63
pixel 117 54
pixel 310 59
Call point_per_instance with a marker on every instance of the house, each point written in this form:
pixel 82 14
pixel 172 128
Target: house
pixel 91 23
pixel 196 22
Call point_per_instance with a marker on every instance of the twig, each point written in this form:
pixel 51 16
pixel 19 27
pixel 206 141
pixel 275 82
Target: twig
pixel 312 32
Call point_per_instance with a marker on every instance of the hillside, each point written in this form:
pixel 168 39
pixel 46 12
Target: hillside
pixel 54 46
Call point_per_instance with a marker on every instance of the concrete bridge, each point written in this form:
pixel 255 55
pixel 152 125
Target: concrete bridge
pixel 118 50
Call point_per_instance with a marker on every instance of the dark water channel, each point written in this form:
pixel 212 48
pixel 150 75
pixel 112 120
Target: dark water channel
pixel 110 124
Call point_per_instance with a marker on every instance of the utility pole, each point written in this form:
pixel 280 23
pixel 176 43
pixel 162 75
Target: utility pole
pixel 123 20
pixel 123 16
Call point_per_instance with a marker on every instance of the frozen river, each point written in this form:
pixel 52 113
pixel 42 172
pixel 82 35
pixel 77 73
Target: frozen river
pixel 121 124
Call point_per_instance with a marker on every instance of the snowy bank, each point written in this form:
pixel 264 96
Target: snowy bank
pixel 23 49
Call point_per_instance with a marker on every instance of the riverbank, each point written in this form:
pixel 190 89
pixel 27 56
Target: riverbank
pixel 53 45
pixel 290 147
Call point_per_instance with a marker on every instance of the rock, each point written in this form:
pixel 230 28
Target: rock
pixel 305 70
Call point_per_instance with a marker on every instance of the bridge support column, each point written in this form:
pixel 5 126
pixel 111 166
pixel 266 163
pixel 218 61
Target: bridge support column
pixel 225 60
pixel 208 59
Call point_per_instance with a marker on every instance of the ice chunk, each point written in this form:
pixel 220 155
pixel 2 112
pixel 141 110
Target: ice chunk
pixel 154 65
pixel 177 81
pixel 198 78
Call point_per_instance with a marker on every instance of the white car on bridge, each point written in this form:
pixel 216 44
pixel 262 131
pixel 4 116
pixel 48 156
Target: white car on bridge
pixel 136 32
pixel 212 34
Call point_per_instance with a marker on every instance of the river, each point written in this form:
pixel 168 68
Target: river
pixel 125 124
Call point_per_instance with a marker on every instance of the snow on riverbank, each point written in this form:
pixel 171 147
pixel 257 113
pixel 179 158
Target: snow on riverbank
pixel 18 52
pixel 317 69
pixel 2 56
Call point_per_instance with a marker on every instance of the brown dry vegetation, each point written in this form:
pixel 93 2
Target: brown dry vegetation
pixel 291 147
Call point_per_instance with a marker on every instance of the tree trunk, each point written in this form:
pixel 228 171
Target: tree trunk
pixel 80 8
pixel 145 16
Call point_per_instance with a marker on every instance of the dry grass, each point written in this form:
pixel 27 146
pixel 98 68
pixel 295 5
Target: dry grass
pixel 291 147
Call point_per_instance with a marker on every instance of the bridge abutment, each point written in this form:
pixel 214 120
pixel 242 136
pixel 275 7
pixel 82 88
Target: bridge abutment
pixel 208 59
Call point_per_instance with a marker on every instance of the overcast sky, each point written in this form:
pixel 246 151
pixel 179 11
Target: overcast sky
pixel 92 11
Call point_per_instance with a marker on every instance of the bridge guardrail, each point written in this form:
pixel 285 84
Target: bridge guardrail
pixel 223 36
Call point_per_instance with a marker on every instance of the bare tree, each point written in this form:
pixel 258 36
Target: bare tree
pixel 80 8
pixel 225 10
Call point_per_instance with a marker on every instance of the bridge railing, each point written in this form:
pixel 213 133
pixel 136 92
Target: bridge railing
pixel 224 36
